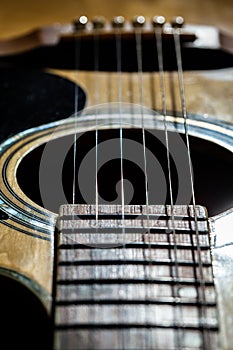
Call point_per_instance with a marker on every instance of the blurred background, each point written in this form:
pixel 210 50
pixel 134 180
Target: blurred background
pixel 20 16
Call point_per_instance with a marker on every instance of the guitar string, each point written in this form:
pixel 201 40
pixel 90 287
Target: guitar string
pixel 119 74
pixel 118 35
pixel 62 236
pixel 202 310
pixel 77 56
pixel 76 107
pixel 119 78
pixel 138 38
pixel 68 252
pixel 175 287
pixel 96 96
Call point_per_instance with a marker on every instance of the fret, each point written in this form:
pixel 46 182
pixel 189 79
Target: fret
pixel 156 210
pixel 173 281
pixel 149 292
pixel 134 315
pixel 149 253
pixel 180 238
pixel 68 226
pixel 137 338
pixel 127 271
pixel 148 326
pixel 117 302
pixel 120 238
pixel 130 262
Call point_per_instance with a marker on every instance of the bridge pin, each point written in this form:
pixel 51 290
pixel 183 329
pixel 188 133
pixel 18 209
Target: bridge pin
pixel 118 22
pixel 80 23
pixel 139 21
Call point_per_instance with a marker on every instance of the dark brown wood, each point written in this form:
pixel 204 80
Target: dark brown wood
pixel 52 35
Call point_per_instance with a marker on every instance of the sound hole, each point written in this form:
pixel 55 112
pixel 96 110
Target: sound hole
pixel 211 163
pixel 32 97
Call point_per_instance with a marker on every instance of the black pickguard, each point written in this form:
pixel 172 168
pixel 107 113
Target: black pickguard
pixel 31 97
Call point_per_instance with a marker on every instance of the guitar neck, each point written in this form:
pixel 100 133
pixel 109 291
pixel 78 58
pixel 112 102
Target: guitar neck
pixel 134 282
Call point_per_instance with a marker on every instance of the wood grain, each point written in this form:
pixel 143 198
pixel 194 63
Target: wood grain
pixel 18 17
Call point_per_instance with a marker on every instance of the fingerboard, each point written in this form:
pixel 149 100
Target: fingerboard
pixel 137 278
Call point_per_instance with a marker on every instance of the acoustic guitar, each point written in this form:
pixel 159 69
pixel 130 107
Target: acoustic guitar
pixel 116 196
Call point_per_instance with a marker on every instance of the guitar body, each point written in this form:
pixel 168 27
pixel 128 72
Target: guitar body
pixel 37 140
